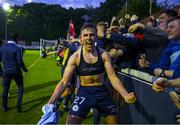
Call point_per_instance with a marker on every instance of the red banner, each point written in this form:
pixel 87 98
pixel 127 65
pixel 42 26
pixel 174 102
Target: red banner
pixel 71 34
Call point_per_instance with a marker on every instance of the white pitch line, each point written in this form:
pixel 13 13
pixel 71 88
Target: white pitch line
pixel 33 63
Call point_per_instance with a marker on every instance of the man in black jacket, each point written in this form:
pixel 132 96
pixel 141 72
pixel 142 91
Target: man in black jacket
pixel 11 56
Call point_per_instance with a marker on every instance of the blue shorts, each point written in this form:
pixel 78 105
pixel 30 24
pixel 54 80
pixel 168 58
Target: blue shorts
pixel 92 97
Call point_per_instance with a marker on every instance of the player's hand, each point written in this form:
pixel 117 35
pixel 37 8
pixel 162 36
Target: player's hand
pixel 156 87
pixel 135 27
pixel 130 98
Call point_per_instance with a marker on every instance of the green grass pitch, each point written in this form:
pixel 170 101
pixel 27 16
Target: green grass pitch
pixel 39 84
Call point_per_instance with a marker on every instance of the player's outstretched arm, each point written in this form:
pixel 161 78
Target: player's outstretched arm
pixel 115 81
pixel 69 70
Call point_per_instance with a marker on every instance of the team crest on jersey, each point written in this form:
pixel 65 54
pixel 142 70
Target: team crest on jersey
pixel 75 108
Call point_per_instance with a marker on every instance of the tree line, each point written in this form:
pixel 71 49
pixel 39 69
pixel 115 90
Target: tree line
pixel 33 21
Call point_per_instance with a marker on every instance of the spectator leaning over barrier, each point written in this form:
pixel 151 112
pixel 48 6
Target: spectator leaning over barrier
pixel 169 65
pixel 121 50
pixel 155 38
pixel 173 51
pixel 102 42
pixel 169 62
pixel 149 39
pixel 171 58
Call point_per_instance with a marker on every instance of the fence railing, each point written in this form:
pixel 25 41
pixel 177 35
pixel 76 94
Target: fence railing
pixel 150 107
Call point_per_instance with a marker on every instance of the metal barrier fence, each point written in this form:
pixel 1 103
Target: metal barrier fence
pixel 150 107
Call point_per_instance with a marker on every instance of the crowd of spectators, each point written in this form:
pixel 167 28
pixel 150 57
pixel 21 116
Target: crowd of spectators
pixel 152 47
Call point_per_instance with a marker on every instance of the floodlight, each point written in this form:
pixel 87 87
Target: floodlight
pixel 6 6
